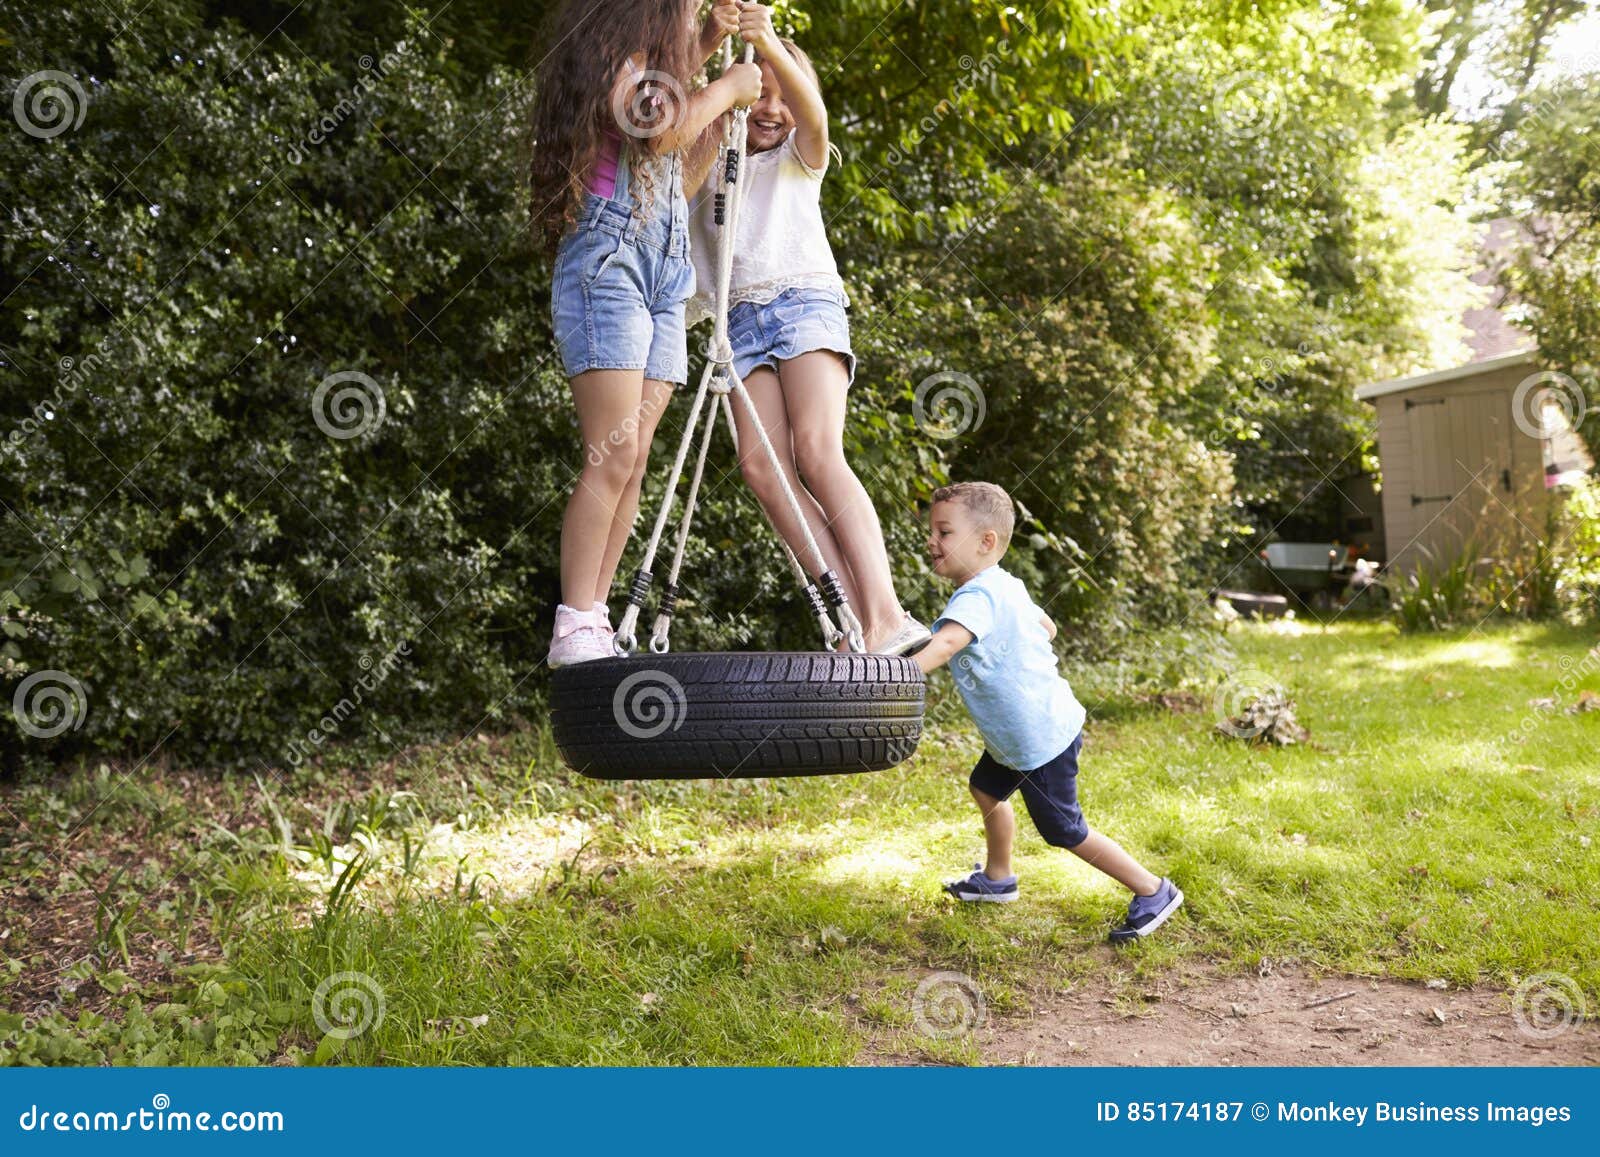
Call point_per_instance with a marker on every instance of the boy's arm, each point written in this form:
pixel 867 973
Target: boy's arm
pixel 946 641
pixel 804 101
pixel 1049 627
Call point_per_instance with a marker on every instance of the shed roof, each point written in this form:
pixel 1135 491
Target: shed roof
pixel 1397 385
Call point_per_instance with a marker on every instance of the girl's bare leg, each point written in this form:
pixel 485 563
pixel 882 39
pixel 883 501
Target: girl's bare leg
pixel 815 386
pixel 608 404
pixel 754 464
pixel 653 405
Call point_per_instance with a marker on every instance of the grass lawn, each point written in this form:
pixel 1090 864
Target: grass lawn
pixel 501 910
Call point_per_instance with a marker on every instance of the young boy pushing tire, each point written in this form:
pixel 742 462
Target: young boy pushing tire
pixel 1032 724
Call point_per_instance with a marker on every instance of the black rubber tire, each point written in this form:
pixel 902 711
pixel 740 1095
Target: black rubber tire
pixel 737 714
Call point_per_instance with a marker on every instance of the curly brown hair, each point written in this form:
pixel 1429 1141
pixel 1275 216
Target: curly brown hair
pixel 591 43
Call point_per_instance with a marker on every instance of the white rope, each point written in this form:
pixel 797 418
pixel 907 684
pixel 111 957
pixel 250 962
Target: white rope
pixel 627 639
pixel 663 624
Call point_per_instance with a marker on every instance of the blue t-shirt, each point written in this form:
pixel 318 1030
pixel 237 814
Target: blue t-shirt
pixel 1007 675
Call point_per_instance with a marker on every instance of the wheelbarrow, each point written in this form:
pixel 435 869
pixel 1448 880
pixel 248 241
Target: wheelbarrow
pixel 1307 570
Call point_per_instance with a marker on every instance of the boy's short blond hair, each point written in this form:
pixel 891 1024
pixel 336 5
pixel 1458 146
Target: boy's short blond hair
pixel 990 506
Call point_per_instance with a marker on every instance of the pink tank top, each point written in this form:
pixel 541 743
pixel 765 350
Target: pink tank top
pixel 603 177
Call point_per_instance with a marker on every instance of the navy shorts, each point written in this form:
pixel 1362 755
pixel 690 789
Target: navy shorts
pixel 1050 791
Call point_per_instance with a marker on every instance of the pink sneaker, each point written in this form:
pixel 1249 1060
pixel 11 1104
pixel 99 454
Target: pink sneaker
pixel 579 636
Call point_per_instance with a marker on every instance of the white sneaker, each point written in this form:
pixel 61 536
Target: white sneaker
pixel 911 636
pixel 578 637
pixel 603 616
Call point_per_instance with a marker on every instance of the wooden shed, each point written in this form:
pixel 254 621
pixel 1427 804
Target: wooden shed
pixel 1457 466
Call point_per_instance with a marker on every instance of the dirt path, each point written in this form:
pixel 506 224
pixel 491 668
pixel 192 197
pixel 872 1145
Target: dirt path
pixel 1285 1017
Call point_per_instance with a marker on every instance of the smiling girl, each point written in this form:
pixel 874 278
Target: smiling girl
pixel 790 337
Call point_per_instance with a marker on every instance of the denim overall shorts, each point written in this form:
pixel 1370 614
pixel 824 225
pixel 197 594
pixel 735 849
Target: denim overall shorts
pixel 622 278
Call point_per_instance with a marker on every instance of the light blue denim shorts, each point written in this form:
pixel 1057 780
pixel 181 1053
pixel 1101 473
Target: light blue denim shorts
pixel 619 287
pixel 795 322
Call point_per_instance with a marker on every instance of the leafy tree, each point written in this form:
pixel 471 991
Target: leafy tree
pixel 1556 278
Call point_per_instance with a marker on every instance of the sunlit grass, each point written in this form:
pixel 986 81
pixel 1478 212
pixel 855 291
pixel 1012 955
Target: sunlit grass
pixel 1435 825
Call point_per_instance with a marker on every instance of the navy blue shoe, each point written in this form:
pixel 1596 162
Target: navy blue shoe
pixel 979 889
pixel 1147 913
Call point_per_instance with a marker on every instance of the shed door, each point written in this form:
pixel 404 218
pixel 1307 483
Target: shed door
pixel 1461 470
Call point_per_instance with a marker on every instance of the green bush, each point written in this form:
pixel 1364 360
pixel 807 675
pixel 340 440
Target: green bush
pixel 227 228
pixel 1438 595
pixel 1578 552
pixel 274 213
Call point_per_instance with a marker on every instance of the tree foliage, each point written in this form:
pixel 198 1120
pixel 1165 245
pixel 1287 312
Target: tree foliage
pixel 1161 244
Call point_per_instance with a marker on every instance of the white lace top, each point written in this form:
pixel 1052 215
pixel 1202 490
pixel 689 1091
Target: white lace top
pixel 781 243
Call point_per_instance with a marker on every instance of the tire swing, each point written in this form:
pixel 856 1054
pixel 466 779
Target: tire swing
pixel 734 714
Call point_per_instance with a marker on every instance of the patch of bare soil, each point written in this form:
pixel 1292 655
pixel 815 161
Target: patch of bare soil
pixel 1281 1017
